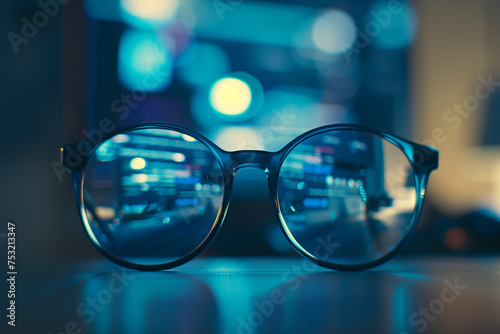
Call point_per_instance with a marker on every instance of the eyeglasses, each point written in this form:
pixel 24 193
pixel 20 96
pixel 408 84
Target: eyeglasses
pixel 154 196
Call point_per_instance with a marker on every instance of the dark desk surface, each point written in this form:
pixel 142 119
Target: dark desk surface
pixel 264 295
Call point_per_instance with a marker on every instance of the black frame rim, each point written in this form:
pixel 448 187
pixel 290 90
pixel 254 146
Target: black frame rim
pixel 272 169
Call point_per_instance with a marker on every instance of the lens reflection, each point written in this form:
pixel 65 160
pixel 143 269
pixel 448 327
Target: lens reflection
pixel 152 196
pixel 346 197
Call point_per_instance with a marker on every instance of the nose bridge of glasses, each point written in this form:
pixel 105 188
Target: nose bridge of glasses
pixel 247 158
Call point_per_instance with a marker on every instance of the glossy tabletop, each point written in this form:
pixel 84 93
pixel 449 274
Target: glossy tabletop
pixel 264 295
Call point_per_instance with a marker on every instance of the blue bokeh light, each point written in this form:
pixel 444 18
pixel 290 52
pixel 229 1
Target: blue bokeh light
pixel 144 62
pixel 334 32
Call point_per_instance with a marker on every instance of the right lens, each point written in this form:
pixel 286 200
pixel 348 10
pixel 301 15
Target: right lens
pixel 151 196
pixel 346 197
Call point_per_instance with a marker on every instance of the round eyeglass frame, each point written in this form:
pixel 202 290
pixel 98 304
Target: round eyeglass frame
pixel 422 158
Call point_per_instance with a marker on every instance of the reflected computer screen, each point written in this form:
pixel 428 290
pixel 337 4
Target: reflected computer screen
pixel 351 191
pixel 153 191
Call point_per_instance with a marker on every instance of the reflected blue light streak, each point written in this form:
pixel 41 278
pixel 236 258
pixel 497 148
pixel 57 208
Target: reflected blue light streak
pixel 400 310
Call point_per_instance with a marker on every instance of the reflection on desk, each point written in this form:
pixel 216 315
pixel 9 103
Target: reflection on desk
pixel 265 295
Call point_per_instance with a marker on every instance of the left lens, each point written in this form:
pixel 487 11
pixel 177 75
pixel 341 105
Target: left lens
pixel 151 196
pixel 346 197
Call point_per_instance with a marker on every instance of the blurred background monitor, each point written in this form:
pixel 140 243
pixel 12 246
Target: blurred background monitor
pixel 294 65
pixel 249 75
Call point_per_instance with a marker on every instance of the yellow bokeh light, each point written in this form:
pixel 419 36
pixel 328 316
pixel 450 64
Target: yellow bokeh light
pixel 230 96
pixel 178 157
pixel 137 163
pixel 140 178
pixel 154 10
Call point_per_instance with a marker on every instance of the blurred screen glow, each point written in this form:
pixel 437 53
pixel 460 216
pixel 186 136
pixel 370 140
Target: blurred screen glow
pixel 230 96
pixel 400 29
pixel 137 163
pixel 196 71
pixel 334 32
pixel 275 24
pixel 105 152
pixel 140 178
pixel 152 13
pixel 144 63
pixel 121 138
pixel 234 138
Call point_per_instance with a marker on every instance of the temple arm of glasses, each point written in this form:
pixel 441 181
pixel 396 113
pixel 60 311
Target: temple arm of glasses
pixel 425 158
pixel 74 156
